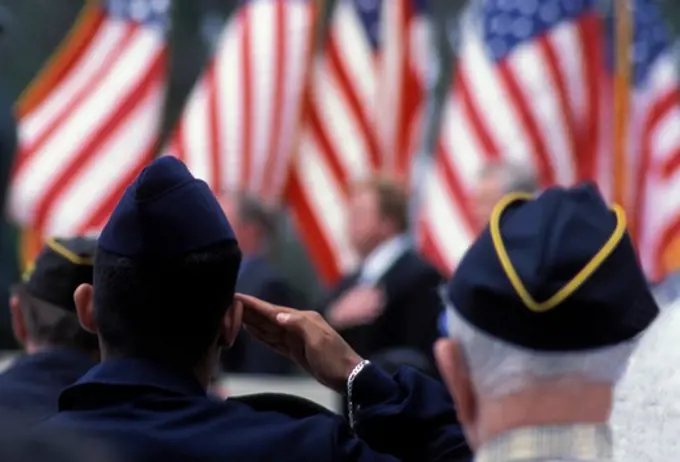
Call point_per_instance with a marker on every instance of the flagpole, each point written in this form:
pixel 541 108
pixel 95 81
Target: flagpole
pixel 623 39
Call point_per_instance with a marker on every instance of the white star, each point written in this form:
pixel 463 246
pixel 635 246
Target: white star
pixel 368 6
pixel 522 27
pixel 160 6
pixel 528 7
pixel 500 24
pixel 550 11
pixel 139 9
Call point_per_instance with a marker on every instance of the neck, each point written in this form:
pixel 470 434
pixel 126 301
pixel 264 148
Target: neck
pixel 205 371
pixel 33 348
pixel 561 403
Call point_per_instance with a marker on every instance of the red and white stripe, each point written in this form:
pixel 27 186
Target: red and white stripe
pixel 359 121
pixel 655 166
pixel 403 70
pixel 539 105
pixel 90 135
pixel 241 123
pixel 338 143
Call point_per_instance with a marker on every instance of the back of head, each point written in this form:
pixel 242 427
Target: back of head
pixel 392 200
pixel 513 177
pixel 552 292
pixel 165 269
pixel 646 417
pixel 254 222
pixel 44 300
pixel 378 211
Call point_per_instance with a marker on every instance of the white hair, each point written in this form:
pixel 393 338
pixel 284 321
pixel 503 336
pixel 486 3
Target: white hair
pixel 515 177
pixel 646 416
pixel 499 368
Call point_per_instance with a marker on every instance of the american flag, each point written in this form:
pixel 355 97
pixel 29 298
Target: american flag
pixel 654 135
pixel 402 73
pixel 349 121
pixel 90 121
pixel 527 89
pixel 240 126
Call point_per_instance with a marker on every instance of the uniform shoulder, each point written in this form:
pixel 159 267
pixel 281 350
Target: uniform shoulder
pixel 291 406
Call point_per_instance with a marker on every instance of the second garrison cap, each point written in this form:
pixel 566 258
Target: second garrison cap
pixel 165 213
pixel 61 266
pixel 556 272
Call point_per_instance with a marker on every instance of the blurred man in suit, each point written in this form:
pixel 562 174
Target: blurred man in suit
pixel 58 350
pixel 390 302
pixel 546 309
pixel 255 227
pixel 496 179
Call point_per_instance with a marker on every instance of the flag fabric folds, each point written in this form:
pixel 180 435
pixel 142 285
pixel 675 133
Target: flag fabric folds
pixel 239 127
pixel 91 119
pixel 654 143
pixel 527 89
pixel 365 94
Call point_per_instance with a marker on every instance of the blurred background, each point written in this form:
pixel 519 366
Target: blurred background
pixel 32 29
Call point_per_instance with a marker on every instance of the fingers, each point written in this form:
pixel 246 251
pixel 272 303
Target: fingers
pixel 272 340
pixel 261 307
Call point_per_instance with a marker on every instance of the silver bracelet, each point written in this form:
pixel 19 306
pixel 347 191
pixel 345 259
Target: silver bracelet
pixel 350 384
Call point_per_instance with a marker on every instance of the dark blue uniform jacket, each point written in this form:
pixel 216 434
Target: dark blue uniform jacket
pixel 30 388
pixel 152 413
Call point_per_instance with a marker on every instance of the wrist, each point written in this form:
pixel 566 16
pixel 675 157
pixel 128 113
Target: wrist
pixel 350 389
pixel 339 383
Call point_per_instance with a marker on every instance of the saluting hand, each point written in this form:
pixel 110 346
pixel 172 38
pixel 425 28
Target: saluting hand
pixel 304 337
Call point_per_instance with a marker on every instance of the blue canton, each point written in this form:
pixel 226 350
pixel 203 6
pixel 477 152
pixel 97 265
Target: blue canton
pixel 152 13
pixel 509 23
pixel 369 14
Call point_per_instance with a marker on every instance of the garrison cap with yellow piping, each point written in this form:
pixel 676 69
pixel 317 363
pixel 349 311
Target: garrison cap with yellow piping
pixel 554 272
pixel 62 265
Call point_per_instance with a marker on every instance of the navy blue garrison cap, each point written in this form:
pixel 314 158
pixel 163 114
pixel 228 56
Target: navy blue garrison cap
pixel 165 213
pixel 62 265
pixel 556 272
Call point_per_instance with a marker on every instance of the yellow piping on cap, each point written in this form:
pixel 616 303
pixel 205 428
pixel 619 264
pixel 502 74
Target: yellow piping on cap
pixel 571 286
pixel 67 254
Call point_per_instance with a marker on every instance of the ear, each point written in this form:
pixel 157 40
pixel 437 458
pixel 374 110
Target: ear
pixel 18 324
pixel 84 300
pixel 231 324
pixel 454 371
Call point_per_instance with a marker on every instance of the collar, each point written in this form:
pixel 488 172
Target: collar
pixel 134 372
pixel 383 258
pixel 563 442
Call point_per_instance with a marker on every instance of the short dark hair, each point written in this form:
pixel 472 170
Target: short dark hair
pixel 48 324
pixel 251 210
pixel 167 310
pixel 392 199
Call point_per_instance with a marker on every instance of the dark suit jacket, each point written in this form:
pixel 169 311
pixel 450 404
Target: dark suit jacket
pixel 412 310
pixel 260 279
pixel 155 413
